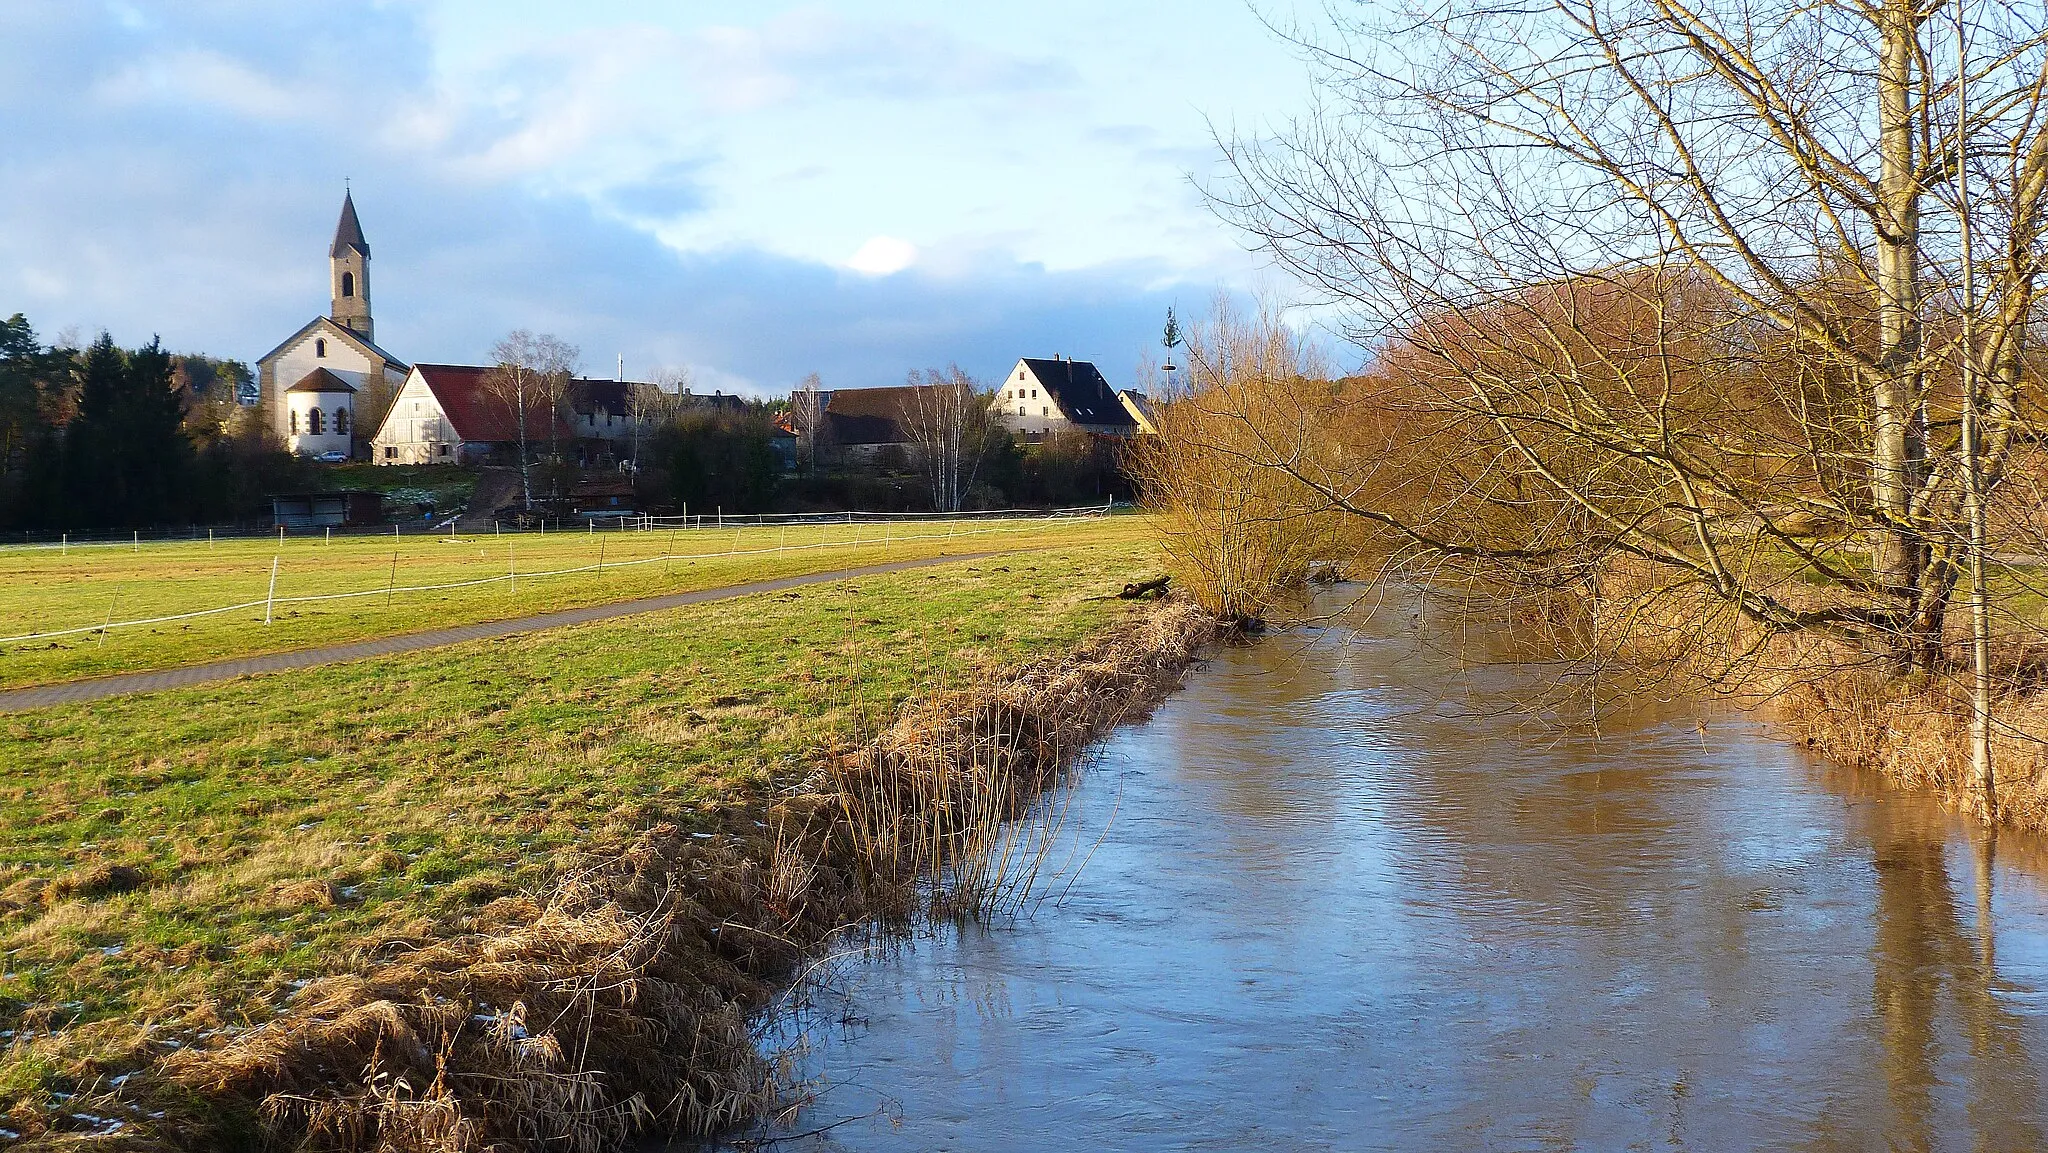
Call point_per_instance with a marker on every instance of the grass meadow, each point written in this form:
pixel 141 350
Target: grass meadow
pixel 46 590
pixel 176 864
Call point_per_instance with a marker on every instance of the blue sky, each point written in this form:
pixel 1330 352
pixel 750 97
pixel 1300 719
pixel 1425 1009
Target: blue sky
pixel 750 190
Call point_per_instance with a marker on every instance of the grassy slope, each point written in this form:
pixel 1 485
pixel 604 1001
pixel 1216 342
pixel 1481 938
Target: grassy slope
pixel 42 589
pixel 283 821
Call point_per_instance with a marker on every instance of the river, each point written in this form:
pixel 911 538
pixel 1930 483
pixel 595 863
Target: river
pixel 1329 909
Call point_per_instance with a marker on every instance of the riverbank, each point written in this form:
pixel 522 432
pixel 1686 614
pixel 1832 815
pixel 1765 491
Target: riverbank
pixel 1854 707
pixel 376 921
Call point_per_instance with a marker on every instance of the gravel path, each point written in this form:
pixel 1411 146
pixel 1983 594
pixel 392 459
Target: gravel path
pixel 101 688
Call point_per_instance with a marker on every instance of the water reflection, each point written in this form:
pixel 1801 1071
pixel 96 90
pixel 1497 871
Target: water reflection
pixel 1331 912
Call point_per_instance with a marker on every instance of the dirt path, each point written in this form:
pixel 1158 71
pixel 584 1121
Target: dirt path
pixel 101 688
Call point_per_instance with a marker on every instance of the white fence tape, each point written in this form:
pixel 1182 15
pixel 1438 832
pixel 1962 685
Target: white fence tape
pixel 515 576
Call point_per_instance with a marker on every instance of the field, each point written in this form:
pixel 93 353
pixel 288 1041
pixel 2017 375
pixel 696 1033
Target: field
pixel 45 590
pixel 176 864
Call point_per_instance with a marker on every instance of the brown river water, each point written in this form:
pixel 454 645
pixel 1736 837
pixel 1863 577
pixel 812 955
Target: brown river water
pixel 1326 909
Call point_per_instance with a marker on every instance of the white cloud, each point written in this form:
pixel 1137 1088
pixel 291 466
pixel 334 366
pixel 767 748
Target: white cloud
pixel 883 255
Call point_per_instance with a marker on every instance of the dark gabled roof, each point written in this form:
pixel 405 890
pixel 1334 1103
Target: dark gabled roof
pixel 321 380
pixel 463 392
pixel 341 330
pixel 349 232
pixel 614 396
pixel 1081 392
pixel 862 416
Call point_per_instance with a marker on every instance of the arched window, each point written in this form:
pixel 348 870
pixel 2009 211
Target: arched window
pixel 348 284
pixel 313 421
pixel 320 348
pixel 295 424
pixel 341 422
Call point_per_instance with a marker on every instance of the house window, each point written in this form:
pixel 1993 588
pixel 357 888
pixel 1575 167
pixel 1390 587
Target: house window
pixel 390 452
pixel 295 423
pixel 341 422
pixel 590 418
pixel 1020 374
pixel 1045 410
pixel 444 450
pixel 313 421
pixel 348 284
pixel 320 348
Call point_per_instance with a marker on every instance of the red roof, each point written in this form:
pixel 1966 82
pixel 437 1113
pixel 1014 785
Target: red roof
pixel 464 393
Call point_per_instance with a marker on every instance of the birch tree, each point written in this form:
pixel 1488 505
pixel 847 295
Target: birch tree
pixel 947 418
pixel 530 377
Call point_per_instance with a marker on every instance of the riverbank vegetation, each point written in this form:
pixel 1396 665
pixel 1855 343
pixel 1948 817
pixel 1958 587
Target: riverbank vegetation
pixel 528 891
pixel 1689 356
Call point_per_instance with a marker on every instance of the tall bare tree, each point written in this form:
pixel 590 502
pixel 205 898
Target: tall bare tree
pixel 1681 281
pixel 530 377
pixel 947 418
pixel 807 412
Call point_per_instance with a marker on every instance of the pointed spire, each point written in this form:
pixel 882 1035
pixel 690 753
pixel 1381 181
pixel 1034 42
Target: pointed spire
pixel 349 233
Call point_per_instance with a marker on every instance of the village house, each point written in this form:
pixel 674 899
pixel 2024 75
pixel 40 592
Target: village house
pixel 308 385
pixel 1042 397
pixel 864 426
pixel 1142 410
pixel 450 414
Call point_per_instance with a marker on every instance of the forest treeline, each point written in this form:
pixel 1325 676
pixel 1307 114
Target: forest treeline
pixel 103 437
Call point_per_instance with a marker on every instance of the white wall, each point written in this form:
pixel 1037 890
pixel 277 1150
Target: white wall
pixel 342 359
pixel 302 404
pixel 415 429
pixel 1025 406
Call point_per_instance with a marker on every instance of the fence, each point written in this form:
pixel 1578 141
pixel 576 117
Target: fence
pixel 512 576
pixel 631 522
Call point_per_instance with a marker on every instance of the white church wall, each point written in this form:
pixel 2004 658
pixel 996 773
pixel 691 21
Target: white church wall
pixel 299 423
pixel 342 359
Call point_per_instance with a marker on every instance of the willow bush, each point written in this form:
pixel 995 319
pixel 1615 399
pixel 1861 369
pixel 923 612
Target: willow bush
pixel 1238 533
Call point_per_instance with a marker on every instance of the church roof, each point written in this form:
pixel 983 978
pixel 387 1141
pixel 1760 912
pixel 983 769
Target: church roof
pixel 349 232
pixel 335 328
pixel 321 380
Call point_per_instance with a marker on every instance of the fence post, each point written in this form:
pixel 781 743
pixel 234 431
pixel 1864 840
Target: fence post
pixel 65 548
pixel 512 568
pixel 330 534
pixel 138 540
pixel 270 598
pixel 393 582
pixel 600 554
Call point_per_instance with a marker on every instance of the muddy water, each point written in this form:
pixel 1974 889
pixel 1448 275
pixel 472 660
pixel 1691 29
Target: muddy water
pixel 1329 911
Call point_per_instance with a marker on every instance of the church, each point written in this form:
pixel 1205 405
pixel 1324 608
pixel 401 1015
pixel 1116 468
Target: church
pixel 310 382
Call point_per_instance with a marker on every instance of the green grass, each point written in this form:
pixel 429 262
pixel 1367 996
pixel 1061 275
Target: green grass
pixel 278 823
pixel 44 590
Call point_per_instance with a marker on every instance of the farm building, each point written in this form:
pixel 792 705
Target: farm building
pixel 344 509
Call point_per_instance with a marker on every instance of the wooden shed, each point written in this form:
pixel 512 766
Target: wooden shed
pixel 346 509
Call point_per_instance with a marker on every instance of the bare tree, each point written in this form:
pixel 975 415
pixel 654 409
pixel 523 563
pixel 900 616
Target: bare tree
pixel 807 412
pixel 948 420
pixel 530 377
pixel 1675 290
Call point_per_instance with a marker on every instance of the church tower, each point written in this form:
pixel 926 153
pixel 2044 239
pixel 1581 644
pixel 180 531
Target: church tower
pixel 349 265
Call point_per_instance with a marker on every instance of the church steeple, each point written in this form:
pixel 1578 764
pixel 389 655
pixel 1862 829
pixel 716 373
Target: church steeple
pixel 348 261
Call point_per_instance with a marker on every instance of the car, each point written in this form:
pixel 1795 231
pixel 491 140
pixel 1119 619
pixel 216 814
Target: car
pixel 332 456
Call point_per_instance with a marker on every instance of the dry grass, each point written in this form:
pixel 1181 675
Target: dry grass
pixel 617 1003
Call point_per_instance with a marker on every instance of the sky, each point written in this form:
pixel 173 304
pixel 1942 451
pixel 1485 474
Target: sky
pixel 748 191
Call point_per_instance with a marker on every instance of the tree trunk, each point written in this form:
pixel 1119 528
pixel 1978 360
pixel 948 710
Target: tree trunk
pixel 1896 444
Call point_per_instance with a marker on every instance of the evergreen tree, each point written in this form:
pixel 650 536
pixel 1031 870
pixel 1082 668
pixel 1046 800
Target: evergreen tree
pixel 127 459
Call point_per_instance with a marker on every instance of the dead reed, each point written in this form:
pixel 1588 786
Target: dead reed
pixel 619 1003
